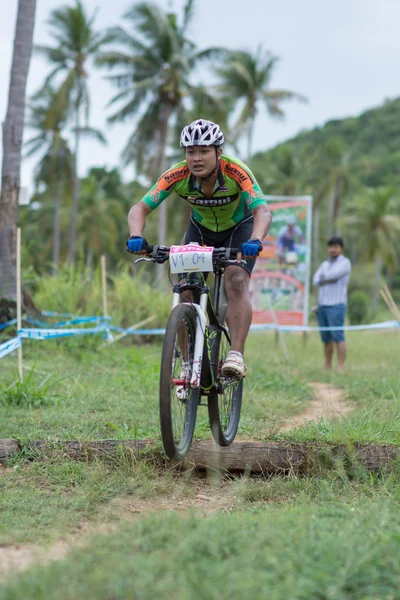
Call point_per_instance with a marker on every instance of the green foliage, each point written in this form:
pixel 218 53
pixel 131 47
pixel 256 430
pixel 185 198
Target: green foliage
pixel 358 308
pixel 153 58
pixel 337 550
pixel 246 77
pixel 26 393
pixel 78 290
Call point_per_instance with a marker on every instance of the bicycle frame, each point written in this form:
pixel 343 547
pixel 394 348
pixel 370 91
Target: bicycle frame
pixel 204 308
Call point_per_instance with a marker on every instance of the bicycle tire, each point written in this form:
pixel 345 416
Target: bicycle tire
pixel 224 409
pixel 176 438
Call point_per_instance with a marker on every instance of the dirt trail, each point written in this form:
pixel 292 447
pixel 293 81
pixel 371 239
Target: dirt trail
pixel 329 403
pixel 206 500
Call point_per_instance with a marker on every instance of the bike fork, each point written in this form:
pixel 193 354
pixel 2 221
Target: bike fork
pixel 201 323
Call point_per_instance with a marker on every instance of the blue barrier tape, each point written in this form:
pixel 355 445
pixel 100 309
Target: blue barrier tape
pixel 8 324
pixel 274 327
pixel 299 328
pixel 43 334
pixel 105 327
pixel 77 321
pixel 9 346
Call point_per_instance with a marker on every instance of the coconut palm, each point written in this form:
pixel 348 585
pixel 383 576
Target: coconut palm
pixel 12 141
pixel 76 43
pixel 374 222
pixel 55 167
pixel 246 77
pixel 98 220
pixel 152 66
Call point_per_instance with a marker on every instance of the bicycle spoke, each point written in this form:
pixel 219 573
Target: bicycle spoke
pixel 180 380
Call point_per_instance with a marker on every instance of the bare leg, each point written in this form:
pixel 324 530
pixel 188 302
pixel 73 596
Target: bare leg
pixel 341 352
pixel 329 346
pixel 239 312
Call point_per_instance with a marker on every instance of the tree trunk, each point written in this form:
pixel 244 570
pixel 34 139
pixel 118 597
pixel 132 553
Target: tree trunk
pixel 161 163
pixel 315 251
pixel 337 206
pixel 250 136
pixel 331 209
pixel 378 276
pixel 13 128
pixel 90 260
pixel 56 227
pixel 75 195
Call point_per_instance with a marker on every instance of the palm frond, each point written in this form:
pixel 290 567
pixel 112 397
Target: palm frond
pixel 188 14
pixel 91 133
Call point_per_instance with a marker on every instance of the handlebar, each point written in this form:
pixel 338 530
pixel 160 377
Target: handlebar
pixel 221 256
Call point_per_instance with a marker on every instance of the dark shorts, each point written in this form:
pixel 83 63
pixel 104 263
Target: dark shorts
pixel 332 316
pixel 230 238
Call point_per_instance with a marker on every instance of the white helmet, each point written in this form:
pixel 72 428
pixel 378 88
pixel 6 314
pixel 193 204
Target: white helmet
pixel 291 220
pixel 202 133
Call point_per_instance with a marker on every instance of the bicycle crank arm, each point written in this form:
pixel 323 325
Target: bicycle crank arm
pixel 226 382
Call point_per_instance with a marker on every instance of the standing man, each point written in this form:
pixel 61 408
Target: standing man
pixel 332 278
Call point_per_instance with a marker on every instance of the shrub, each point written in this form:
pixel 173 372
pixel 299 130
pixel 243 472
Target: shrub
pixel 358 308
pixel 77 290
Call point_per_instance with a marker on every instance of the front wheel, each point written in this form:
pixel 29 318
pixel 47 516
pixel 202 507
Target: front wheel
pixel 224 408
pixel 178 401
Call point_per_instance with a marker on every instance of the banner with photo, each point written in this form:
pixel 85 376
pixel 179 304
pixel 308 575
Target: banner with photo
pixel 279 285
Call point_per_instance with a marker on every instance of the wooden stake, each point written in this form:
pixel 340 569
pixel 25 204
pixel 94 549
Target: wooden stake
pixel 124 333
pixel 392 302
pixel 104 284
pixel 278 332
pixel 19 312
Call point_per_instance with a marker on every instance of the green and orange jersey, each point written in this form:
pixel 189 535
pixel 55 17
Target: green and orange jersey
pixel 236 193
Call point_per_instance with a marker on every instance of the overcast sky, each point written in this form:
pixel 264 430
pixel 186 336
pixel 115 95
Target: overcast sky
pixel 342 55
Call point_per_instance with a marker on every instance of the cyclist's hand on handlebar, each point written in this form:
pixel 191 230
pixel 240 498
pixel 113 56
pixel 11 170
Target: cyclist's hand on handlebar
pixel 252 248
pixel 136 245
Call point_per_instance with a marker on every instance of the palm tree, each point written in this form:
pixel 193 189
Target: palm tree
pixel 374 221
pixel 98 220
pixel 246 77
pixel 153 67
pixel 55 167
pixel 76 43
pixel 12 141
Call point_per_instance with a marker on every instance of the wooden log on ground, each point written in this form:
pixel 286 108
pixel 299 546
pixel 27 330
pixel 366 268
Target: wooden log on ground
pixel 242 457
pixel 290 458
pixel 76 450
pixel 7 448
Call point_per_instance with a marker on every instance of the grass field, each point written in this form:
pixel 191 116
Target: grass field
pixel 138 530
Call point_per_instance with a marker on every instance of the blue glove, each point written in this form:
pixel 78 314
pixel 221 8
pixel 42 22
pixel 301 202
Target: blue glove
pixel 136 244
pixel 252 248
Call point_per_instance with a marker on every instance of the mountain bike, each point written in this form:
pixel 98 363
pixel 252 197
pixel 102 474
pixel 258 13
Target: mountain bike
pixel 196 343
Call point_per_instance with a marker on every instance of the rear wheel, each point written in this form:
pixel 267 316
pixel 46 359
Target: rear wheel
pixel 178 401
pixel 224 408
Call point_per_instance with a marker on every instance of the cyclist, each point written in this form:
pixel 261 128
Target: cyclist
pixel 228 210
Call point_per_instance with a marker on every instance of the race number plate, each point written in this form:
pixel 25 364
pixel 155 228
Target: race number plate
pixel 190 258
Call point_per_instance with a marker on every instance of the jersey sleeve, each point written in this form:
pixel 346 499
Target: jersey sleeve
pixel 165 185
pixel 253 195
